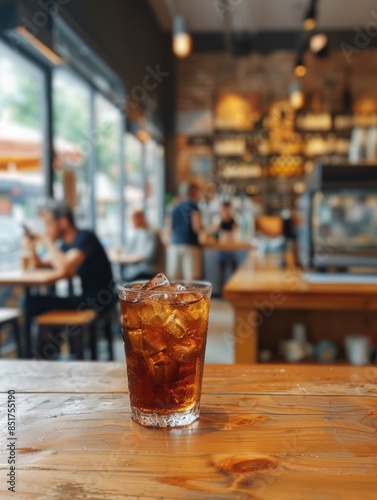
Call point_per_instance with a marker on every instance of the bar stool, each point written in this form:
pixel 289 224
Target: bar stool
pixel 84 320
pixel 10 316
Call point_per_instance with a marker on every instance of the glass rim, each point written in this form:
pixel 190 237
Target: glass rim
pixel 200 284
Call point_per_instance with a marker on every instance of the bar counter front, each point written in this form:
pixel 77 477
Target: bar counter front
pixel 271 432
pixel 259 289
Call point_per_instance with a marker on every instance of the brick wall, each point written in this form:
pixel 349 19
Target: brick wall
pixel 203 76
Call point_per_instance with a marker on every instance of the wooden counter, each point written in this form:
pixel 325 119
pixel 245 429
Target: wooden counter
pixel 258 288
pixel 265 432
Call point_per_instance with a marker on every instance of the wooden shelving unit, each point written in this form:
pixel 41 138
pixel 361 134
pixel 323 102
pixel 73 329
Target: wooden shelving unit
pixel 276 191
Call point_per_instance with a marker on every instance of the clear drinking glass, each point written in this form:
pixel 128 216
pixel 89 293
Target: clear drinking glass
pixel 165 332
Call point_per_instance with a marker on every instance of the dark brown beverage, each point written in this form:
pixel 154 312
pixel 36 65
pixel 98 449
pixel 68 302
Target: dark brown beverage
pixel 165 329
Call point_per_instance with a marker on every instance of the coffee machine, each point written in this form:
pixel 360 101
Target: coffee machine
pixel 338 219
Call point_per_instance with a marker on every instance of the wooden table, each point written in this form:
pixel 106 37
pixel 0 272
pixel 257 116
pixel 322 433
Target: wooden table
pixel 265 432
pixel 29 279
pixel 258 288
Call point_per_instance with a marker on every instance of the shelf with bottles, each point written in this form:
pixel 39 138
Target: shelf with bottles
pixel 333 122
pixel 335 137
pixel 233 131
pixel 324 122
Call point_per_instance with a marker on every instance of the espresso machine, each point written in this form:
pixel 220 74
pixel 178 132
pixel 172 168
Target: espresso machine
pixel 338 220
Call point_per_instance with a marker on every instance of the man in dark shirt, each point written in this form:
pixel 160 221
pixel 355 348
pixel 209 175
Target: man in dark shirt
pixel 184 256
pixel 74 252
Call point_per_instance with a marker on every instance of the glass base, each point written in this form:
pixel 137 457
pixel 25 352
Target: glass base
pixel 150 419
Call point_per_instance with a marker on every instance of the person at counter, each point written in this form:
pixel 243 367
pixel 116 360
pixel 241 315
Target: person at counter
pixel 184 254
pixel 227 224
pixel 73 252
pixel 225 229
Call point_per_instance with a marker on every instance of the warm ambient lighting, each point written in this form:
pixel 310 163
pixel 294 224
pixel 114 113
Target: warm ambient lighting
pixel 182 42
pixel 300 70
pixel 310 21
pixel 310 24
pixel 49 54
pixel 319 43
pixel 297 97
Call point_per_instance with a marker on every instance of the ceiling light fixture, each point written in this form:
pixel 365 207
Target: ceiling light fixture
pixel 310 21
pixel 296 96
pixel 319 44
pixel 182 41
pixel 300 68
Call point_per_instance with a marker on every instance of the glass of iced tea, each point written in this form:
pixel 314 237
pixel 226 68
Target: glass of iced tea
pixel 165 331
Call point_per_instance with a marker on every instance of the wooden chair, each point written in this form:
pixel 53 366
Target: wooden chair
pixel 84 320
pixel 11 317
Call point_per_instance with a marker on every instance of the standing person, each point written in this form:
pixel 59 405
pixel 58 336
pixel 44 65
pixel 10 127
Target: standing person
pixel 72 251
pixel 227 226
pixel 227 222
pixel 184 255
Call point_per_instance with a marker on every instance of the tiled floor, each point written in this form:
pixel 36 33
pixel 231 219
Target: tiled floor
pixel 219 341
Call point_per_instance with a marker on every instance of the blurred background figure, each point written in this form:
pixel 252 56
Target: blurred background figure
pixel 184 254
pixel 73 252
pixel 144 243
pixel 227 230
pixel 227 225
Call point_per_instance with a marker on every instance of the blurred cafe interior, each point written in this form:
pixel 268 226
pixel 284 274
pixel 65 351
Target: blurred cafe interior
pixel 229 141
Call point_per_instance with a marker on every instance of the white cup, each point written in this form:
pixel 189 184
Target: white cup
pixel 357 349
pixel 293 350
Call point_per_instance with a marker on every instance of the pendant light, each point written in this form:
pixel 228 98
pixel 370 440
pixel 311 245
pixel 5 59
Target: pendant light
pixel 300 68
pixel 296 96
pixel 319 44
pixel 182 42
pixel 310 21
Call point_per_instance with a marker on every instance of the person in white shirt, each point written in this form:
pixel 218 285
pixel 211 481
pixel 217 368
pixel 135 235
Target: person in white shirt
pixel 146 243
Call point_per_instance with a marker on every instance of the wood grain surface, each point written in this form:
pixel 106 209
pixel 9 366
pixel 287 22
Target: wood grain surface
pixel 265 432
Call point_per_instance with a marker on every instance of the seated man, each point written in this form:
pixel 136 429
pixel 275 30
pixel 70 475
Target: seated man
pixel 74 252
pixel 146 245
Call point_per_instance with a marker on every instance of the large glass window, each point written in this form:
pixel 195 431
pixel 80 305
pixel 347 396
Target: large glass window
pixel 108 132
pixel 134 189
pixel 154 188
pixel 22 185
pixel 72 143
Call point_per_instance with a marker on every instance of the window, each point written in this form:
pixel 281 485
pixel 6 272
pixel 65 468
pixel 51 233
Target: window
pixel 154 188
pixel 134 189
pixel 22 184
pixel 72 143
pixel 108 132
